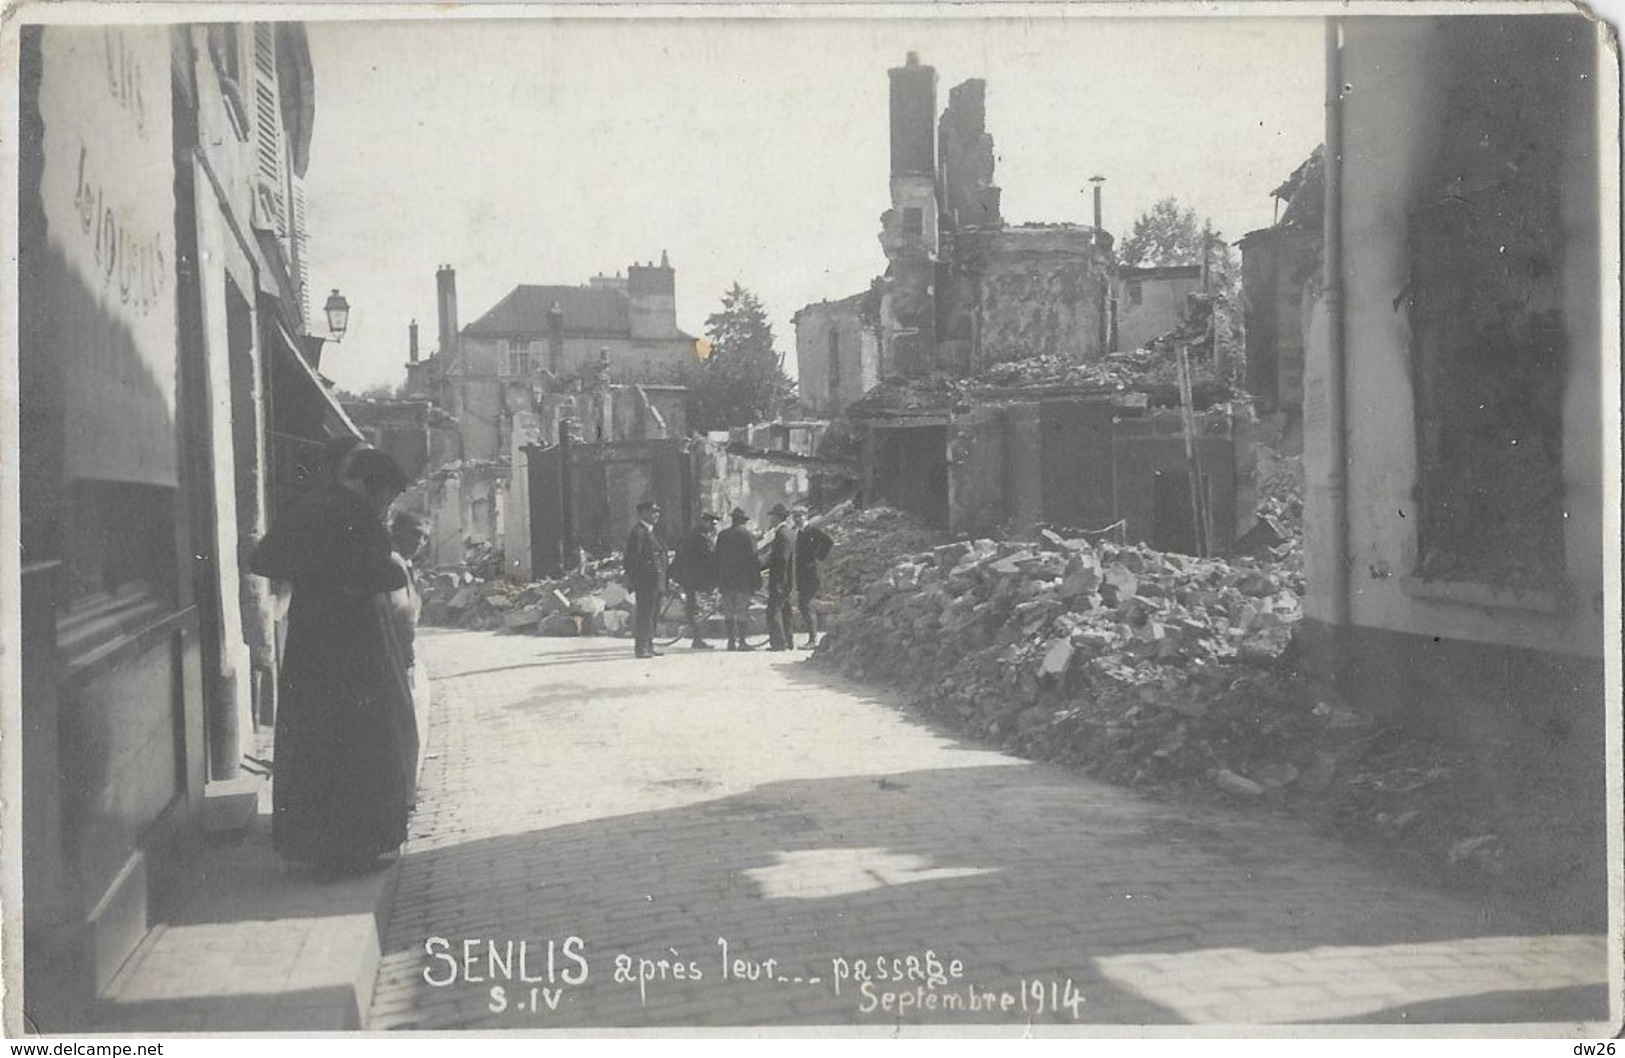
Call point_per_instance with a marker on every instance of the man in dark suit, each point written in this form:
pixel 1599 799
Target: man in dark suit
pixel 739 575
pixel 695 570
pixel 813 545
pixel 645 571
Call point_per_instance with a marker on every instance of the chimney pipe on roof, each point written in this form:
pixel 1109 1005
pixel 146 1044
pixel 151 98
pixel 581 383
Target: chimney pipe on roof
pixel 555 339
pixel 412 342
pixel 446 294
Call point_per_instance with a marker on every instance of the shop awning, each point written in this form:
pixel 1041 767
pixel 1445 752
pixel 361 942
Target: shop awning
pixel 334 421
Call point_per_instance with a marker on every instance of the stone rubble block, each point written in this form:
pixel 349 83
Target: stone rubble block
pixel 1230 782
pixel 587 605
pixel 560 625
pixel 524 617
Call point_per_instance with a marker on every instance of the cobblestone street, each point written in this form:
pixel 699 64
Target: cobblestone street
pixel 756 839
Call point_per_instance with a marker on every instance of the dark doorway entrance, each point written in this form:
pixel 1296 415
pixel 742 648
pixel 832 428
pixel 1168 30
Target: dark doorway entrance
pixel 1173 524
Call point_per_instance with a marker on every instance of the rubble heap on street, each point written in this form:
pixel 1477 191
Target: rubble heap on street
pixel 1172 673
pixel 867 543
pixel 589 602
pixel 1146 667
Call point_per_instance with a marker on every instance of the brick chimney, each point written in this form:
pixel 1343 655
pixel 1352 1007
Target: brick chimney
pixel 913 118
pixel 446 299
pixel 412 342
pixel 652 291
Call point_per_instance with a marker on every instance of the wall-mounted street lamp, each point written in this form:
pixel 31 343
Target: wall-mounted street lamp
pixel 338 315
pixel 337 310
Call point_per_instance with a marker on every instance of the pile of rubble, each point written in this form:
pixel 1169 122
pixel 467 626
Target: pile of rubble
pixel 588 602
pixel 1144 667
pixel 867 543
pixel 1209 318
pixel 1116 373
pixel 1153 371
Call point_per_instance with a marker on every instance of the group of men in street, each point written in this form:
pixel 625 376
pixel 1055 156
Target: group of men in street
pixel 727 562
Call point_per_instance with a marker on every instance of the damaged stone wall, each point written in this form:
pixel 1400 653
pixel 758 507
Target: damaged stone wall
pixel 1279 272
pixel 1037 290
pixel 977 472
pixel 969 197
pixel 417 435
pixel 837 355
pixel 1153 478
pixel 646 412
pixel 1084 463
pixel 726 477
pixel 465 502
pixel 908 305
pixel 1153 301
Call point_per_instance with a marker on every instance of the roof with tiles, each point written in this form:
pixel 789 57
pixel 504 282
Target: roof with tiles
pixel 588 312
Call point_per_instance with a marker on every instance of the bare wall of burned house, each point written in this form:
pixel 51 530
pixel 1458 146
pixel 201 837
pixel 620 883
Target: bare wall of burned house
pixel 1011 293
pixel 1470 534
pixel 837 353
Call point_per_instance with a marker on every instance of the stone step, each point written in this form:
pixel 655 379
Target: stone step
pixel 255 946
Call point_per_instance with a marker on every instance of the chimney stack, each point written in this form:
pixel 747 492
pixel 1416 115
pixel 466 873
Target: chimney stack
pixel 446 294
pixel 913 118
pixel 555 339
pixel 412 342
pixel 1097 181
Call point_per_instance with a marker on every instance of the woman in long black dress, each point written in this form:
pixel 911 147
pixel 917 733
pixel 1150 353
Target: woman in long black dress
pixel 340 796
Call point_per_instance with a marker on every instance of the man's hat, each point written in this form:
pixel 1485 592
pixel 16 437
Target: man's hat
pixel 778 510
pixel 710 516
pixel 738 516
pixel 798 509
pixel 648 505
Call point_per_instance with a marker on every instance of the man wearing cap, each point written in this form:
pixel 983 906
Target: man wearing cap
pixel 781 578
pixel 645 571
pixel 695 568
pixel 739 576
pixel 813 545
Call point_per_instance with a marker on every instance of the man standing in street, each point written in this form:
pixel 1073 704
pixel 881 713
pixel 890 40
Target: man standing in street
pixel 695 568
pixel 739 576
pixel 781 578
pixel 645 571
pixel 813 545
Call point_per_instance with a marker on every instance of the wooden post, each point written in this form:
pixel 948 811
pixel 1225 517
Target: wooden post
pixel 1193 461
pixel 569 548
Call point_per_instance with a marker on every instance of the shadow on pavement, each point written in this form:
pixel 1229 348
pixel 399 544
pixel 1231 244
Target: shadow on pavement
pixel 1005 868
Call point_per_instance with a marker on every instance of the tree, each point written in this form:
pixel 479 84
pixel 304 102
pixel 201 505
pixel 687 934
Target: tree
pixel 1164 235
pixel 742 381
pixel 1167 235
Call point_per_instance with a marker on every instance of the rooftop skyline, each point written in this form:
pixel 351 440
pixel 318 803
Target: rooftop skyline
pixel 753 150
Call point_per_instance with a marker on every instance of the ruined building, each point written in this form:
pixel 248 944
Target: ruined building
pixel 962 289
pixel 837 353
pixel 1460 379
pixel 601 359
pixel 552 340
pixel 1280 277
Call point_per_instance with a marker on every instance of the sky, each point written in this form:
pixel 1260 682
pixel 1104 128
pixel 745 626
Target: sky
pixel 751 150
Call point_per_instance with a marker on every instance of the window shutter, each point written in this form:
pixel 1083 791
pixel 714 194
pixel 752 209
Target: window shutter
pixel 268 152
pixel 301 248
